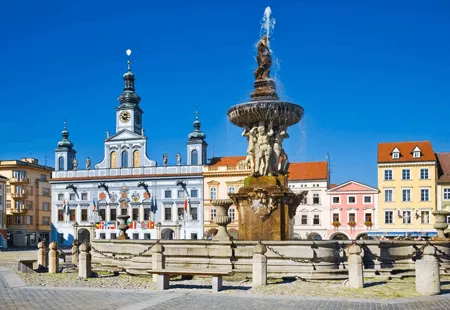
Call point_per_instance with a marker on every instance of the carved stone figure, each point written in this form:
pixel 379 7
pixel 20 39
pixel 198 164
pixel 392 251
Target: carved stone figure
pixel 278 151
pixel 75 164
pixel 251 137
pixel 88 163
pixel 165 159
pixel 264 148
pixel 264 59
pixel 142 131
pixel 178 159
pixel 107 134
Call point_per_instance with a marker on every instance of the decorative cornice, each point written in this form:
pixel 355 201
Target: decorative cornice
pixel 136 176
pixel 407 164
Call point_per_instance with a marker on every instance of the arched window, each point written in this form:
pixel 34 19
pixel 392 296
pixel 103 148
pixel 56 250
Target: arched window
pixel 112 160
pixel 136 158
pixel 61 163
pixel 213 193
pixel 231 189
pixel 194 157
pixel 124 159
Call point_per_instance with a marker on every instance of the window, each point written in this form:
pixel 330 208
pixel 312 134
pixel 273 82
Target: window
pixel 102 236
pixel 61 163
pixel 124 159
pixel 180 213
pixel 60 215
pixel 316 219
pixel 113 214
pixel 19 219
pixel 194 193
pixel 335 199
pixel 335 217
pixel 446 193
pixel 124 211
pixel 232 214
pixel 194 157
pixel 135 235
pixel 388 195
pixel 213 214
pixel 213 193
pixel 448 219
pixel 113 236
pixel 112 160
pixel 30 190
pixel 72 197
pixel 387 175
pixel 367 199
pixel 194 213
pixel 147 236
pixel 136 158
pixel 45 220
pixel 29 205
pixel 368 217
pixel 167 194
pixel 389 217
pixel 352 217
pixel 72 215
pixel 43 177
pixel 406 217
pixel 84 196
pixel 395 155
pixel 406 195
pixel 425 217
pixel 60 197
pixel 424 195
pixel 304 219
pixel 146 214
pixel 167 213
pixel 231 189
pixel 180 194
pixel 316 199
pixel 45 206
pixel 406 174
pixel 135 214
pixel 351 199
pixel 102 214
pixel 416 154
pixel 46 191
pixel 29 220
pixel 84 215
pixel 194 236
pixel 424 174
pixel 8 204
pixel 8 189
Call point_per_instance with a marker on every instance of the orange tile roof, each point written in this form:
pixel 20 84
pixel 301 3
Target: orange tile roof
pixel 226 161
pixel 406 148
pixel 308 171
pixel 333 185
pixel 443 167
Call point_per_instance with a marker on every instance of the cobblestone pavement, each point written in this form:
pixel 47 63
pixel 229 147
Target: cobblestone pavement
pixel 14 295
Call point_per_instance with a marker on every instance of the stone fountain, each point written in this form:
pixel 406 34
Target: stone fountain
pixel 265 204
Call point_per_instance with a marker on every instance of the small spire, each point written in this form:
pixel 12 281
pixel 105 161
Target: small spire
pixel 65 138
pixel 129 96
pixel 196 115
pixel 128 51
pixel 197 134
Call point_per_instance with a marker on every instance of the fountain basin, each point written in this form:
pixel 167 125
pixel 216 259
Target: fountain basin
pixel 281 113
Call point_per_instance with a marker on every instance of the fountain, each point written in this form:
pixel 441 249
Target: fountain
pixel 265 204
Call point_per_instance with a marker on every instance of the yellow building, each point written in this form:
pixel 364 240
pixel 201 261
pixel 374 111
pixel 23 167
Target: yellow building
pixel 221 176
pixel 407 184
pixel 28 201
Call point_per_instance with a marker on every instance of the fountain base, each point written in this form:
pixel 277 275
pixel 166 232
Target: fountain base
pixel 266 208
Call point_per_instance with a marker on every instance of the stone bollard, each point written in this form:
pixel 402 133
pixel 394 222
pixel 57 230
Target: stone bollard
pixel 84 262
pixel 75 252
pixel 158 231
pixel 259 271
pixel 355 267
pixel 428 280
pixel 158 261
pixel 53 259
pixel 42 255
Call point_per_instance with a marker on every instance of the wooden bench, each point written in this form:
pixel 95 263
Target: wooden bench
pixel 164 274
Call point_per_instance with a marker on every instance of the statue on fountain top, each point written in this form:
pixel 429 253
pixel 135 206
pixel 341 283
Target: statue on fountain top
pixel 264 59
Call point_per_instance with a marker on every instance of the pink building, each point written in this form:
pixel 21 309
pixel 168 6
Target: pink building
pixel 353 210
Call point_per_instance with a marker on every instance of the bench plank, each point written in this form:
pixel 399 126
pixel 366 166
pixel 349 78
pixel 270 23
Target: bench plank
pixel 192 272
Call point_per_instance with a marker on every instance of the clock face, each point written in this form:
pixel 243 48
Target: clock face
pixel 138 118
pixel 124 116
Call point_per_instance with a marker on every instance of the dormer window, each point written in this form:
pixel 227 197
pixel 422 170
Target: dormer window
pixel 416 152
pixel 396 153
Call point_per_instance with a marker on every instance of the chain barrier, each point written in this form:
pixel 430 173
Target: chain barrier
pixel 102 253
pixel 394 257
pixel 442 253
pixel 314 260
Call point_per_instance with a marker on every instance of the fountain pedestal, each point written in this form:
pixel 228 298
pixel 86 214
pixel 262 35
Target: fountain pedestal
pixel 266 208
pixel 123 226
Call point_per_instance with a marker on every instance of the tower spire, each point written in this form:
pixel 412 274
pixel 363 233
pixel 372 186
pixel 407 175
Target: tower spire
pixel 129 95
pixel 197 134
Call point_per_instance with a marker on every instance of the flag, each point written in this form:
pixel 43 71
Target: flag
pixel 151 225
pixel 185 204
pixel 132 225
pixel 94 204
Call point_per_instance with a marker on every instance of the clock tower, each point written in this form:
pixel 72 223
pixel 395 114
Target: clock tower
pixel 128 113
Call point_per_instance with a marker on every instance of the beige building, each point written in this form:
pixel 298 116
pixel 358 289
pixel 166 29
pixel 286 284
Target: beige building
pixel 221 176
pixel 3 232
pixel 27 201
pixel 443 183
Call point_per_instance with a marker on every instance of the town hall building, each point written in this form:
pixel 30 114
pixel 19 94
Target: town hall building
pixel 163 201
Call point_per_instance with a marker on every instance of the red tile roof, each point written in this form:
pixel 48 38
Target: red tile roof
pixel 443 167
pixel 226 161
pixel 406 149
pixel 333 185
pixel 308 171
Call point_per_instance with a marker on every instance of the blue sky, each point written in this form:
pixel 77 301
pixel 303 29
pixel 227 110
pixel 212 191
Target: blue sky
pixel 364 71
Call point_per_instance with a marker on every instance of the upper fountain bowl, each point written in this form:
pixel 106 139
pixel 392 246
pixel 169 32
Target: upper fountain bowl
pixel 280 113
